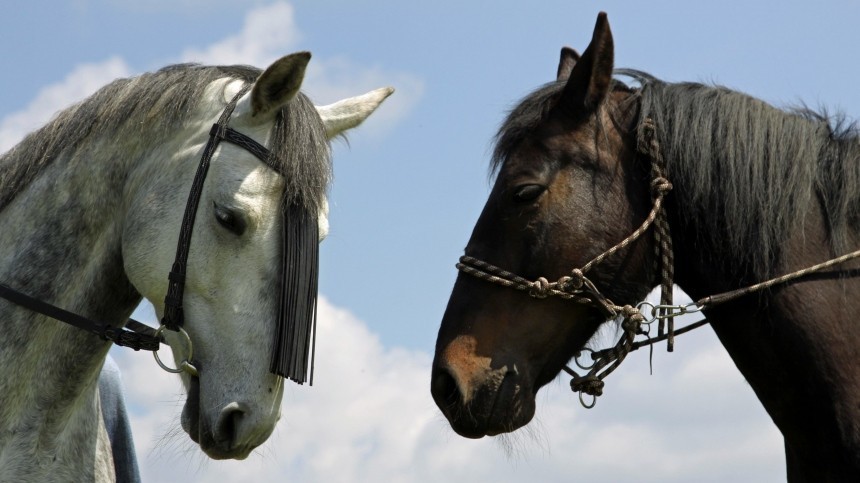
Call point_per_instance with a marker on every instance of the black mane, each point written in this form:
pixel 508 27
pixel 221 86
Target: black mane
pixel 745 171
pixel 742 170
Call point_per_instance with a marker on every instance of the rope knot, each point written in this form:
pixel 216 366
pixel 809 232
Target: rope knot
pixel 563 283
pixel 647 142
pixel 590 385
pixel 573 282
pixel 632 319
pixel 660 186
pixel 539 289
pixel 649 127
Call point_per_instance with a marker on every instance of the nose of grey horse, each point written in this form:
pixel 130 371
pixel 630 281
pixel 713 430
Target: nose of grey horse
pixel 227 426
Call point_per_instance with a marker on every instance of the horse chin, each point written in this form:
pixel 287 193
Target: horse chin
pixel 498 406
pixel 513 408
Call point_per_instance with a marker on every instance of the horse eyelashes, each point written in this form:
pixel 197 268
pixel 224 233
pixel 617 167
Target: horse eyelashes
pixel 528 192
pixel 230 219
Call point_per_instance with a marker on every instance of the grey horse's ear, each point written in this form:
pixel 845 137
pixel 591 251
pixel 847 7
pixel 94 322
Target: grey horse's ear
pixel 348 113
pixel 278 85
pixel 569 58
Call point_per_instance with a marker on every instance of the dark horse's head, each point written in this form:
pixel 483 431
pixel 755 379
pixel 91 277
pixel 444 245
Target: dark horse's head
pixel 569 186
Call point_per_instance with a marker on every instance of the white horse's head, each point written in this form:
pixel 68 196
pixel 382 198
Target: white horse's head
pixel 231 292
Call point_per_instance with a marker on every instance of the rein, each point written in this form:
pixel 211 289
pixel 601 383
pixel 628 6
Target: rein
pixel 578 288
pixel 140 337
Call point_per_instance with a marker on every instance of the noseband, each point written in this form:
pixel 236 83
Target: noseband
pixel 636 319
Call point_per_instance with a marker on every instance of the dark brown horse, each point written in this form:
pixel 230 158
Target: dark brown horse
pixel 757 192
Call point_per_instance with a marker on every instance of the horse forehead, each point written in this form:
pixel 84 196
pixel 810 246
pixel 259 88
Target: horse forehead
pixel 249 180
pixel 554 139
pixel 544 147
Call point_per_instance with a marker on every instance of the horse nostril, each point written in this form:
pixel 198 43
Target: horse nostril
pixel 445 390
pixel 228 422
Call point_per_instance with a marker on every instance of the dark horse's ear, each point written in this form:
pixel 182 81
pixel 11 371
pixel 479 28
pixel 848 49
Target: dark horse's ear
pixel 591 76
pixel 569 58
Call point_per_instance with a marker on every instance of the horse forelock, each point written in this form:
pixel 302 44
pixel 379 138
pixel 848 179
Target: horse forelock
pixel 160 101
pixel 300 146
pixel 525 117
pixel 522 120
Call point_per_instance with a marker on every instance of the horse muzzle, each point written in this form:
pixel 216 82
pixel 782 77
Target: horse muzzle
pixel 479 400
pixel 231 432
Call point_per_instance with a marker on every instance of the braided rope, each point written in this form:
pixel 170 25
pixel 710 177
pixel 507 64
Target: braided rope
pixel 661 186
pixel 578 288
pixel 566 287
pixel 734 294
pixel 664 254
pixel 570 286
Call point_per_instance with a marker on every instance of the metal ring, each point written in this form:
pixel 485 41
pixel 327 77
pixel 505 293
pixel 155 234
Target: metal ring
pixel 650 314
pixel 691 308
pixel 579 354
pixel 185 365
pixel 644 303
pixel 587 406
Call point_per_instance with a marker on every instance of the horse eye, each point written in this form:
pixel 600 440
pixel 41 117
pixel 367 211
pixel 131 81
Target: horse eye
pixel 229 219
pixel 528 192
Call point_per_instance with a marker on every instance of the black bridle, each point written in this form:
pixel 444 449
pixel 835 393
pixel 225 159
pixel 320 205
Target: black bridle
pixel 295 336
pixel 292 356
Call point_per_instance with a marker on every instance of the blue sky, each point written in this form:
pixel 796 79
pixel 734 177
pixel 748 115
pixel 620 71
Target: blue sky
pixel 409 186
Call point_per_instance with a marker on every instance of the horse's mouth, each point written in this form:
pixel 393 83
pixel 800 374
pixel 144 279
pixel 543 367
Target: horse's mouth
pixel 493 409
pixel 200 432
pixel 505 415
pixel 191 412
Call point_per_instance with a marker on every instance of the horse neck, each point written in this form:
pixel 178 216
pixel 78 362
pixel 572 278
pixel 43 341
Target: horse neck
pixel 60 242
pixel 795 344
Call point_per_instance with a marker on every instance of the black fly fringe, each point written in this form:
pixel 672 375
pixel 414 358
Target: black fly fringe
pixel 295 338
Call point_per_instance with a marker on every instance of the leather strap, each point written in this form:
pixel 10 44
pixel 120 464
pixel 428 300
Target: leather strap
pixel 174 316
pixel 139 337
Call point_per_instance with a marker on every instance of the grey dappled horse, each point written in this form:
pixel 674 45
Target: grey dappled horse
pixel 90 209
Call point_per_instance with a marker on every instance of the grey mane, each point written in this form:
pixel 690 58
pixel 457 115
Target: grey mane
pixel 161 101
pixel 743 171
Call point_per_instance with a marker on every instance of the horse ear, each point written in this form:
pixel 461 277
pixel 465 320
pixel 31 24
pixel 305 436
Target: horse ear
pixel 591 76
pixel 278 85
pixel 351 112
pixel 569 58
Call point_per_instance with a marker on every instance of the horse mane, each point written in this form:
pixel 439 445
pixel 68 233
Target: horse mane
pixel 161 101
pixel 746 172
pixel 743 171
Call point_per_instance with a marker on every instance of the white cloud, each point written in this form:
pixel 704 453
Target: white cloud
pixel 162 6
pixel 268 33
pixel 271 32
pixel 78 84
pixel 370 417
